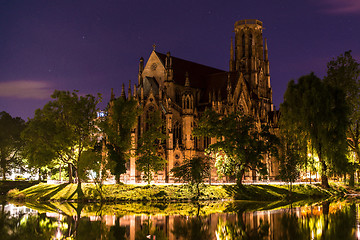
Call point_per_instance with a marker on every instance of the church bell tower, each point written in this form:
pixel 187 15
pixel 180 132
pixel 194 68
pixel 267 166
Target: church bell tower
pixel 249 56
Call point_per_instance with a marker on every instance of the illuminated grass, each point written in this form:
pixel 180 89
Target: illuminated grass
pixel 166 193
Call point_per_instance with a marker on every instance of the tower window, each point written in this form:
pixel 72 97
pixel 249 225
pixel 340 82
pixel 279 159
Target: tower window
pixel 250 45
pixel 243 45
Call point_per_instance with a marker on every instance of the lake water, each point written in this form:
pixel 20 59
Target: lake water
pixel 207 220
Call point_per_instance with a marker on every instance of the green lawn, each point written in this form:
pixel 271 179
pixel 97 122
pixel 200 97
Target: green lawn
pixel 166 193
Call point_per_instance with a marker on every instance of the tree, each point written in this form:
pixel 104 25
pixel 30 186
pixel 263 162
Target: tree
pixel 241 144
pixel 290 154
pixel 149 160
pixel 343 73
pixel 193 171
pixel 63 130
pixel 319 114
pixel 117 127
pixel 10 141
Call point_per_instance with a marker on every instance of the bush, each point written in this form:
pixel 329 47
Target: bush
pixel 15 194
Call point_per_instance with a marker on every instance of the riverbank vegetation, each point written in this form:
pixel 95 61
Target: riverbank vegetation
pixel 171 193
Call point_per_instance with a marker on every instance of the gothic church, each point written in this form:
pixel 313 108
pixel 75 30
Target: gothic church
pixel 181 90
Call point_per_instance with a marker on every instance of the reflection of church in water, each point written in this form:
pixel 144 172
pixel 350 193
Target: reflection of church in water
pixel 182 90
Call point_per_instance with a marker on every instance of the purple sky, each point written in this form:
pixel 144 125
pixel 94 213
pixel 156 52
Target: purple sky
pixel 95 45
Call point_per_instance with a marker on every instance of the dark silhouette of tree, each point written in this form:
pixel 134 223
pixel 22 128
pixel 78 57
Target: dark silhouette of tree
pixel 10 142
pixel 343 73
pixel 319 113
pixel 121 119
pixel 291 157
pixel 193 171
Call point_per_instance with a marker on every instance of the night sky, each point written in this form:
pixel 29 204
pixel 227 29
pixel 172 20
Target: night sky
pixel 93 46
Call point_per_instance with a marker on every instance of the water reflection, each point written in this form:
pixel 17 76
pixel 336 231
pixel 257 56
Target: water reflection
pixel 237 220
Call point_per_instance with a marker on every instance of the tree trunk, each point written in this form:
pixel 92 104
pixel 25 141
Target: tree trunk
pixel 117 178
pixel 352 178
pixel 324 178
pixel 198 191
pixel 3 166
pixel 39 175
pixel 70 173
pixel 79 189
pixel 239 178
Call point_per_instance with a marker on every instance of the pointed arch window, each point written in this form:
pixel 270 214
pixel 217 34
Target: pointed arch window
pixel 250 44
pixel 243 44
pixel 177 133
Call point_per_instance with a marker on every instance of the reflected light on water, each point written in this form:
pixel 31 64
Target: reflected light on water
pixel 302 222
pixel 58 234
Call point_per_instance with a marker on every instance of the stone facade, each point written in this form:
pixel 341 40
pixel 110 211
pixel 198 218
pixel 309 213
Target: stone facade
pixel 181 90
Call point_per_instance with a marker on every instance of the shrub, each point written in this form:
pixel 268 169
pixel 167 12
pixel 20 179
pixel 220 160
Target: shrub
pixel 15 194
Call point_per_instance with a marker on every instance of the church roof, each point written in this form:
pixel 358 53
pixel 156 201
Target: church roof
pixel 201 76
pixel 197 72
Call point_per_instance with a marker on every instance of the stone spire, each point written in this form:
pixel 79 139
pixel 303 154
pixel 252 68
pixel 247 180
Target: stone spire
pixel 228 88
pixel 129 90
pixel 187 80
pixel 141 69
pixel 169 67
pixel 112 96
pixel 135 91
pixel 231 64
pixel 123 90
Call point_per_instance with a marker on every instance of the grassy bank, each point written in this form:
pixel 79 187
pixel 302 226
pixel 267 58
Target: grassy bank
pixel 6 186
pixel 165 193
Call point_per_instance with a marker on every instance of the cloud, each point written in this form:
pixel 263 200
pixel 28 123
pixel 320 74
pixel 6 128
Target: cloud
pixel 341 6
pixel 24 89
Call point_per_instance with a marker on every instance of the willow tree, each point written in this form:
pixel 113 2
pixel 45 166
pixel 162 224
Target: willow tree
pixel 121 120
pixel 344 73
pixel 63 130
pixel 292 155
pixel 241 145
pixel 320 115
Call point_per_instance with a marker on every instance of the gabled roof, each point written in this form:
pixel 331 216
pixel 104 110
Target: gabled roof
pixel 198 73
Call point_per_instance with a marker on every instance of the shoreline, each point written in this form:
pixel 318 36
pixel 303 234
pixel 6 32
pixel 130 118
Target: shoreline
pixel 118 193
